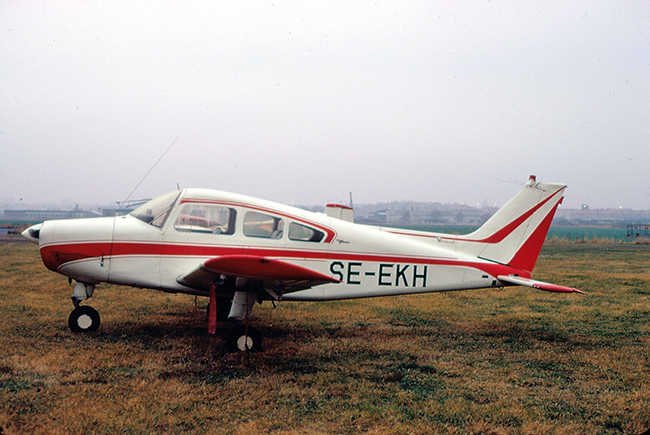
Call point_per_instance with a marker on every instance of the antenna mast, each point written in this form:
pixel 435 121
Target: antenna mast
pixel 147 174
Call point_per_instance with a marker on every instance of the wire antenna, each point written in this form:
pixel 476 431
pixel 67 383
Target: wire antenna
pixel 510 181
pixel 152 168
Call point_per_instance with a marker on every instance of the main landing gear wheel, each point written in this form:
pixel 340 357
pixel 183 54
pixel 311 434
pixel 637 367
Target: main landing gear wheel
pixel 239 340
pixel 84 319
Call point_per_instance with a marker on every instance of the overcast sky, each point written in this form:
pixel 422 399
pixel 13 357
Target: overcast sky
pixel 304 102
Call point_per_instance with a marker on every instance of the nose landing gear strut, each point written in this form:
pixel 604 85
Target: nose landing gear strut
pixel 83 318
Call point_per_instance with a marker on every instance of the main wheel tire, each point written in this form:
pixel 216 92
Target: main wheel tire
pixel 84 319
pixel 239 340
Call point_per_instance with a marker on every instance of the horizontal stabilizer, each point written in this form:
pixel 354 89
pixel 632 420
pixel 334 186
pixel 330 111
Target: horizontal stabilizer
pixel 526 282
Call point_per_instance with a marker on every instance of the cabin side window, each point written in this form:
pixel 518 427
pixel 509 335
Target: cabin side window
pixel 206 219
pixel 304 233
pixel 263 225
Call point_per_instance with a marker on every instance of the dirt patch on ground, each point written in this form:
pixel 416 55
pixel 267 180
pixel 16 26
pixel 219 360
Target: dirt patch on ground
pixel 13 238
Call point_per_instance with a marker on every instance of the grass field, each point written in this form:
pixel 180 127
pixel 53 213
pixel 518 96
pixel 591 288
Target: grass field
pixel 513 361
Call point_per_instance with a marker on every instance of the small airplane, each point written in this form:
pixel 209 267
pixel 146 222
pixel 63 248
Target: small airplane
pixel 239 250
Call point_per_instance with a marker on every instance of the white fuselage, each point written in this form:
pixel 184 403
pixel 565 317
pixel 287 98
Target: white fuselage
pixel 367 261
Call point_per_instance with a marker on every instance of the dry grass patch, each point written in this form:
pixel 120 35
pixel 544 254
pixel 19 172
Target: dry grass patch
pixel 513 361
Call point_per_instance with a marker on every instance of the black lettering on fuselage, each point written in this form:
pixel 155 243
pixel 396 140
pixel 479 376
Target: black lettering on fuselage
pixel 422 276
pixel 338 271
pixel 352 273
pixel 383 274
pixel 401 273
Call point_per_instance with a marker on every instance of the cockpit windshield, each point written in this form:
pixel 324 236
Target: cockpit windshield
pixel 155 211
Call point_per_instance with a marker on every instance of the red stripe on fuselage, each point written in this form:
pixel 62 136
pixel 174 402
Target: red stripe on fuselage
pixel 54 256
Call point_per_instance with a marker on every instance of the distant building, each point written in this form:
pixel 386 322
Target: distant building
pixel 422 213
pixel 41 215
pixel 116 211
pixel 429 213
pixel 603 216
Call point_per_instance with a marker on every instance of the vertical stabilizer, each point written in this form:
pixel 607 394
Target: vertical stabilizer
pixel 339 211
pixel 514 235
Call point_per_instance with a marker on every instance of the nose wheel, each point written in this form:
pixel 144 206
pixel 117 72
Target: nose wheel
pixel 84 319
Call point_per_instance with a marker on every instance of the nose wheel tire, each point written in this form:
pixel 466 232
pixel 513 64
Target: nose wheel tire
pixel 84 319
pixel 239 339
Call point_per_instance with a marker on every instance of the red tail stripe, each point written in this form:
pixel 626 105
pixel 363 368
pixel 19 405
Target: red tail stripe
pixel 527 255
pixel 508 229
pixel 497 236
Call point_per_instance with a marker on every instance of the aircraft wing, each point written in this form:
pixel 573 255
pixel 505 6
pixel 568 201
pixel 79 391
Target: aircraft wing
pixel 273 274
pixel 516 280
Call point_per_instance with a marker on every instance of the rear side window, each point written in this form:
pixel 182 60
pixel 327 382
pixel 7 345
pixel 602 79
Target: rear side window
pixel 263 225
pixel 304 233
pixel 206 218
